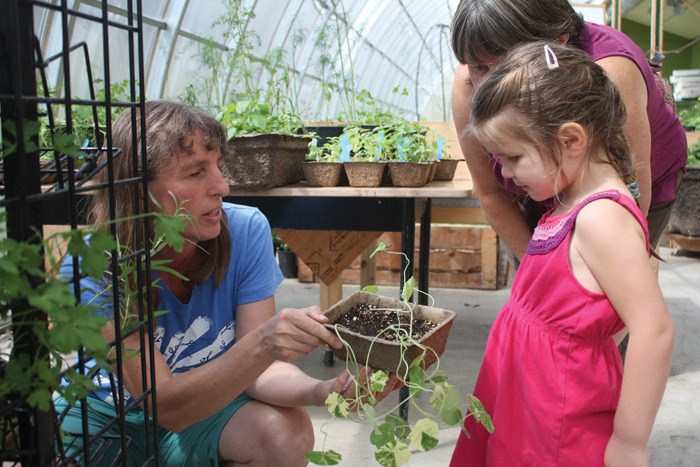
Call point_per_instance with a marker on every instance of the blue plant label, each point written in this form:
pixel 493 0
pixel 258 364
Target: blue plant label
pixel 378 152
pixel 438 153
pixel 344 148
pixel 314 142
pixel 399 147
pixel 86 143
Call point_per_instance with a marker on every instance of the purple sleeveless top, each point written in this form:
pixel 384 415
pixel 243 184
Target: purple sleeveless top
pixel 669 149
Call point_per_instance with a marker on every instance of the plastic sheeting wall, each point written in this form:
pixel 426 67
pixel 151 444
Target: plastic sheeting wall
pixel 391 43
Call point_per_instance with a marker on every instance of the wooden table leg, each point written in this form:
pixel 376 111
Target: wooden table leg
pixel 331 293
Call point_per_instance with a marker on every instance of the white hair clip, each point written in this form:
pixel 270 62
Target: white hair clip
pixel 550 58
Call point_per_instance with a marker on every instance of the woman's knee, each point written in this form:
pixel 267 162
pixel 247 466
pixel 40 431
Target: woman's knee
pixel 262 434
pixel 289 429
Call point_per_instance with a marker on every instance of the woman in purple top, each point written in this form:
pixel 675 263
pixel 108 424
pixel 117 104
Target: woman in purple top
pixel 484 30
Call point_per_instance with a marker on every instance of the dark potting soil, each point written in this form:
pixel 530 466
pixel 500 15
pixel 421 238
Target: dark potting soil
pixel 369 321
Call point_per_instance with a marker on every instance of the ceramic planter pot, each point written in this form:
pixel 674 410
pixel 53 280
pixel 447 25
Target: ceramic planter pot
pixel 322 173
pixel 685 218
pixel 446 169
pixel 385 354
pixel 409 174
pixel 261 162
pixel 365 174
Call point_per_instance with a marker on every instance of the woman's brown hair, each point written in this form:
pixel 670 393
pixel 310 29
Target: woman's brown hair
pixel 169 128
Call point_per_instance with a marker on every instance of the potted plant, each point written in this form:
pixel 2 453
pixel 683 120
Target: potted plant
pixel 322 167
pixel 361 151
pixel 408 340
pixel 684 225
pixel 286 258
pixel 265 149
pixel 410 153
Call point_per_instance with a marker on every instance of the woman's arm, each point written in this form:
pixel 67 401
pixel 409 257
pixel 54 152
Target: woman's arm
pixel 189 397
pixel 632 87
pixel 615 252
pixel 500 208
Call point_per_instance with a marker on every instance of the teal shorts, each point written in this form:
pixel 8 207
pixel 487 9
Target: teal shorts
pixel 196 445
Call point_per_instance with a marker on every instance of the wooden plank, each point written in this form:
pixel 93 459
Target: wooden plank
pixel 327 252
pixel 685 243
pixel 457 215
pixel 489 258
pixel 368 265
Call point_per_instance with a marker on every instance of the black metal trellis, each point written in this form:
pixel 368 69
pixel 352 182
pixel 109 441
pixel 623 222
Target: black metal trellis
pixel 42 185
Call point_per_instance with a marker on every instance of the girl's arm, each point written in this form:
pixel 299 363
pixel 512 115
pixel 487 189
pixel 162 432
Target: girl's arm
pixel 500 207
pixel 612 245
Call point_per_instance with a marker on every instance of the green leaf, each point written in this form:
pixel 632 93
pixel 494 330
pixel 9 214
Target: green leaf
pixel 400 425
pixel 407 291
pixel 425 435
pixel 380 247
pixel 329 457
pixel 378 380
pixel 447 401
pixel 393 454
pixel 479 412
pixel 242 106
pixel 382 435
pixel 370 289
pixel 65 143
pixel 337 405
pixel 40 399
pixel 171 228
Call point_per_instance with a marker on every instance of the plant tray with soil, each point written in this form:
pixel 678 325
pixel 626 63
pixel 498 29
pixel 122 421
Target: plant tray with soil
pixel 384 333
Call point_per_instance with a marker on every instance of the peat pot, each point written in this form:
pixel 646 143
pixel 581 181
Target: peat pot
pixel 409 174
pixel 261 162
pixel 446 169
pixel 365 174
pixel 322 173
pixel 386 354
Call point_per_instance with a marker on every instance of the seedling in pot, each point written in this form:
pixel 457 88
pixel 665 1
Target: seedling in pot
pixel 392 436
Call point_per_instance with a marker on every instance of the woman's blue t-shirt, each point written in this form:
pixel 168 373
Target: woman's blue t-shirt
pixel 190 334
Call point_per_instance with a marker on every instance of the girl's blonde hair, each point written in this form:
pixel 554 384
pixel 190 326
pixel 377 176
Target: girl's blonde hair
pixel 169 130
pixel 539 87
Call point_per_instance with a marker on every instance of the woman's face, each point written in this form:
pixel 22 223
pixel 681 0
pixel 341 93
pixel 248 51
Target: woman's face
pixel 195 181
pixel 478 71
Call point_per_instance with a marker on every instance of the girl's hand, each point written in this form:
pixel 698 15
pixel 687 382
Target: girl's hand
pixel 621 453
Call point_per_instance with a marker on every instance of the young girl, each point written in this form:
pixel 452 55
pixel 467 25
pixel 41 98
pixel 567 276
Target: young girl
pixel 552 377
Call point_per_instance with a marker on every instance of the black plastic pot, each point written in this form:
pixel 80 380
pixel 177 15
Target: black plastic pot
pixel 288 263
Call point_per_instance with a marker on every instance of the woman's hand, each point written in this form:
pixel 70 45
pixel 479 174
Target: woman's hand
pixel 351 387
pixel 293 333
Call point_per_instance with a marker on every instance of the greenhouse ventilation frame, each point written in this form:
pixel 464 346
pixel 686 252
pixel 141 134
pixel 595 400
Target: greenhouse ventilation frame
pixel 46 185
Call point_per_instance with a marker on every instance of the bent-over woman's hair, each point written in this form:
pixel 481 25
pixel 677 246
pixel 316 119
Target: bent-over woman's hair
pixel 494 27
pixel 536 95
pixel 169 129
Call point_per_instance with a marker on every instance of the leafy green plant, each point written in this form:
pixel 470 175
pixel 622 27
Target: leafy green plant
pixel 694 154
pixel 410 142
pixel 690 116
pixel 392 436
pixel 328 152
pixel 252 117
pixel 84 130
pixel 69 325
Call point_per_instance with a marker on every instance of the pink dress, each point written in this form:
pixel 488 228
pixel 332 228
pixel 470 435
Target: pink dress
pixel 551 373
